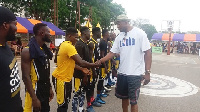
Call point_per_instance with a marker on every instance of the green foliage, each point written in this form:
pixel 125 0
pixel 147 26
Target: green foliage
pixel 39 9
pixel 139 22
pixel 149 30
pixel 13 5
pixel 145 26
pixel 103 11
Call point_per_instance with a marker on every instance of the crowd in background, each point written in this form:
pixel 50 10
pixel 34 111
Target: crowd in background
pixel 179 47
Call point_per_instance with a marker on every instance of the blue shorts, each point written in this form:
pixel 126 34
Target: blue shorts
pixel 128 87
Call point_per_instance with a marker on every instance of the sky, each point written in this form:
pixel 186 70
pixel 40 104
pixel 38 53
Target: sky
pixel 185 12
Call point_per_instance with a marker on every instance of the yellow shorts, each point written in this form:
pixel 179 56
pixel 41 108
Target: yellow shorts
pixel 103 74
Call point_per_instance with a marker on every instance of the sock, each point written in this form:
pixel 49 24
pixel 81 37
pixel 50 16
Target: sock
pixel 81 100
pixel 80 109
pixel 74 103
pixel 92 99
pixel 89 104
pixel 105 82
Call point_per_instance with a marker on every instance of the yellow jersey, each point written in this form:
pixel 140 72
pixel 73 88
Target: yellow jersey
pixel 65 64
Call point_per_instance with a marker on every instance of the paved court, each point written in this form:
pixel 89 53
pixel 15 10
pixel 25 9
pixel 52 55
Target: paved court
pixel 174 86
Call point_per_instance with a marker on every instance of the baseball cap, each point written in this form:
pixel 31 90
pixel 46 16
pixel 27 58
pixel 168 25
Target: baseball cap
pixel 122 17
pixel 6 15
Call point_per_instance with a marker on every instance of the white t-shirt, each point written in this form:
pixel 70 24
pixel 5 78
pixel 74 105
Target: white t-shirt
pixel 131 49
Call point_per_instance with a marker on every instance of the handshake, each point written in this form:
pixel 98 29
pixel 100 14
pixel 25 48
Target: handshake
pixel 87 72
pixel 98 62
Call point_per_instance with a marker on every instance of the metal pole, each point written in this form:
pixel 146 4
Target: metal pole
pixel 79 22
pixel 90 14
pixel 77 9
pixel 54 8
pixel 57 12
pixel 168 51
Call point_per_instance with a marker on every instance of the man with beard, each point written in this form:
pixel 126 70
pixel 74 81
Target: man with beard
pixel 10 100
pixel 135 59
pixel 36 71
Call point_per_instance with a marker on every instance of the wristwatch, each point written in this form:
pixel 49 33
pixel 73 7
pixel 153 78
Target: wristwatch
pixel 147 71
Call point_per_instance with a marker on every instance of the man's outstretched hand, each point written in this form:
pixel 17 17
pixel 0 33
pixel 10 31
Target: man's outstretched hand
pixel 98 62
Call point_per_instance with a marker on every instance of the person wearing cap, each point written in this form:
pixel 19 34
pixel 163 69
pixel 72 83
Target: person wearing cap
pixel 10 100
pixel 135 60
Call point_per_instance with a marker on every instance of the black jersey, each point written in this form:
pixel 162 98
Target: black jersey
pixel 83 51
pixel 40 76
pixel 96 52
pixel 10 100
pixel 103 45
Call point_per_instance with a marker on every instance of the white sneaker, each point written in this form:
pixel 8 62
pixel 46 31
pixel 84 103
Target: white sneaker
pixel 113 86
pixel 107 89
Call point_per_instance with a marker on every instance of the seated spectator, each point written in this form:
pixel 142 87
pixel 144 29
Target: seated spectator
pixel 52 47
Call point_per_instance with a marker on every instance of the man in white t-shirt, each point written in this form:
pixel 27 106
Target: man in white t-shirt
pixel 135 59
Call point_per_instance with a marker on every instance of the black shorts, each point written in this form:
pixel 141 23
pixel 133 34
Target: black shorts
pixel 128 87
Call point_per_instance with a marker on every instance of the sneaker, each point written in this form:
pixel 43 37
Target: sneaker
pixel 103 91
pixel 107 89
pixel 113 83
pixel 96 104
pixel 82 110
pixel 103 95
pixel 99 100
pixel 110 84
pixel 113 86
pixel 90 109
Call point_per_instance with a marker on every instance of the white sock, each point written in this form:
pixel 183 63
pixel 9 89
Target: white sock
pixel 80 109
pixel 105 82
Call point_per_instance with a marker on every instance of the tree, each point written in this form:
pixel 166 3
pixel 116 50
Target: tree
pixel 149 30
pixel 14 5
pixel 103 11
pixel 38 9
pixel 146 26
pixel 139 22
